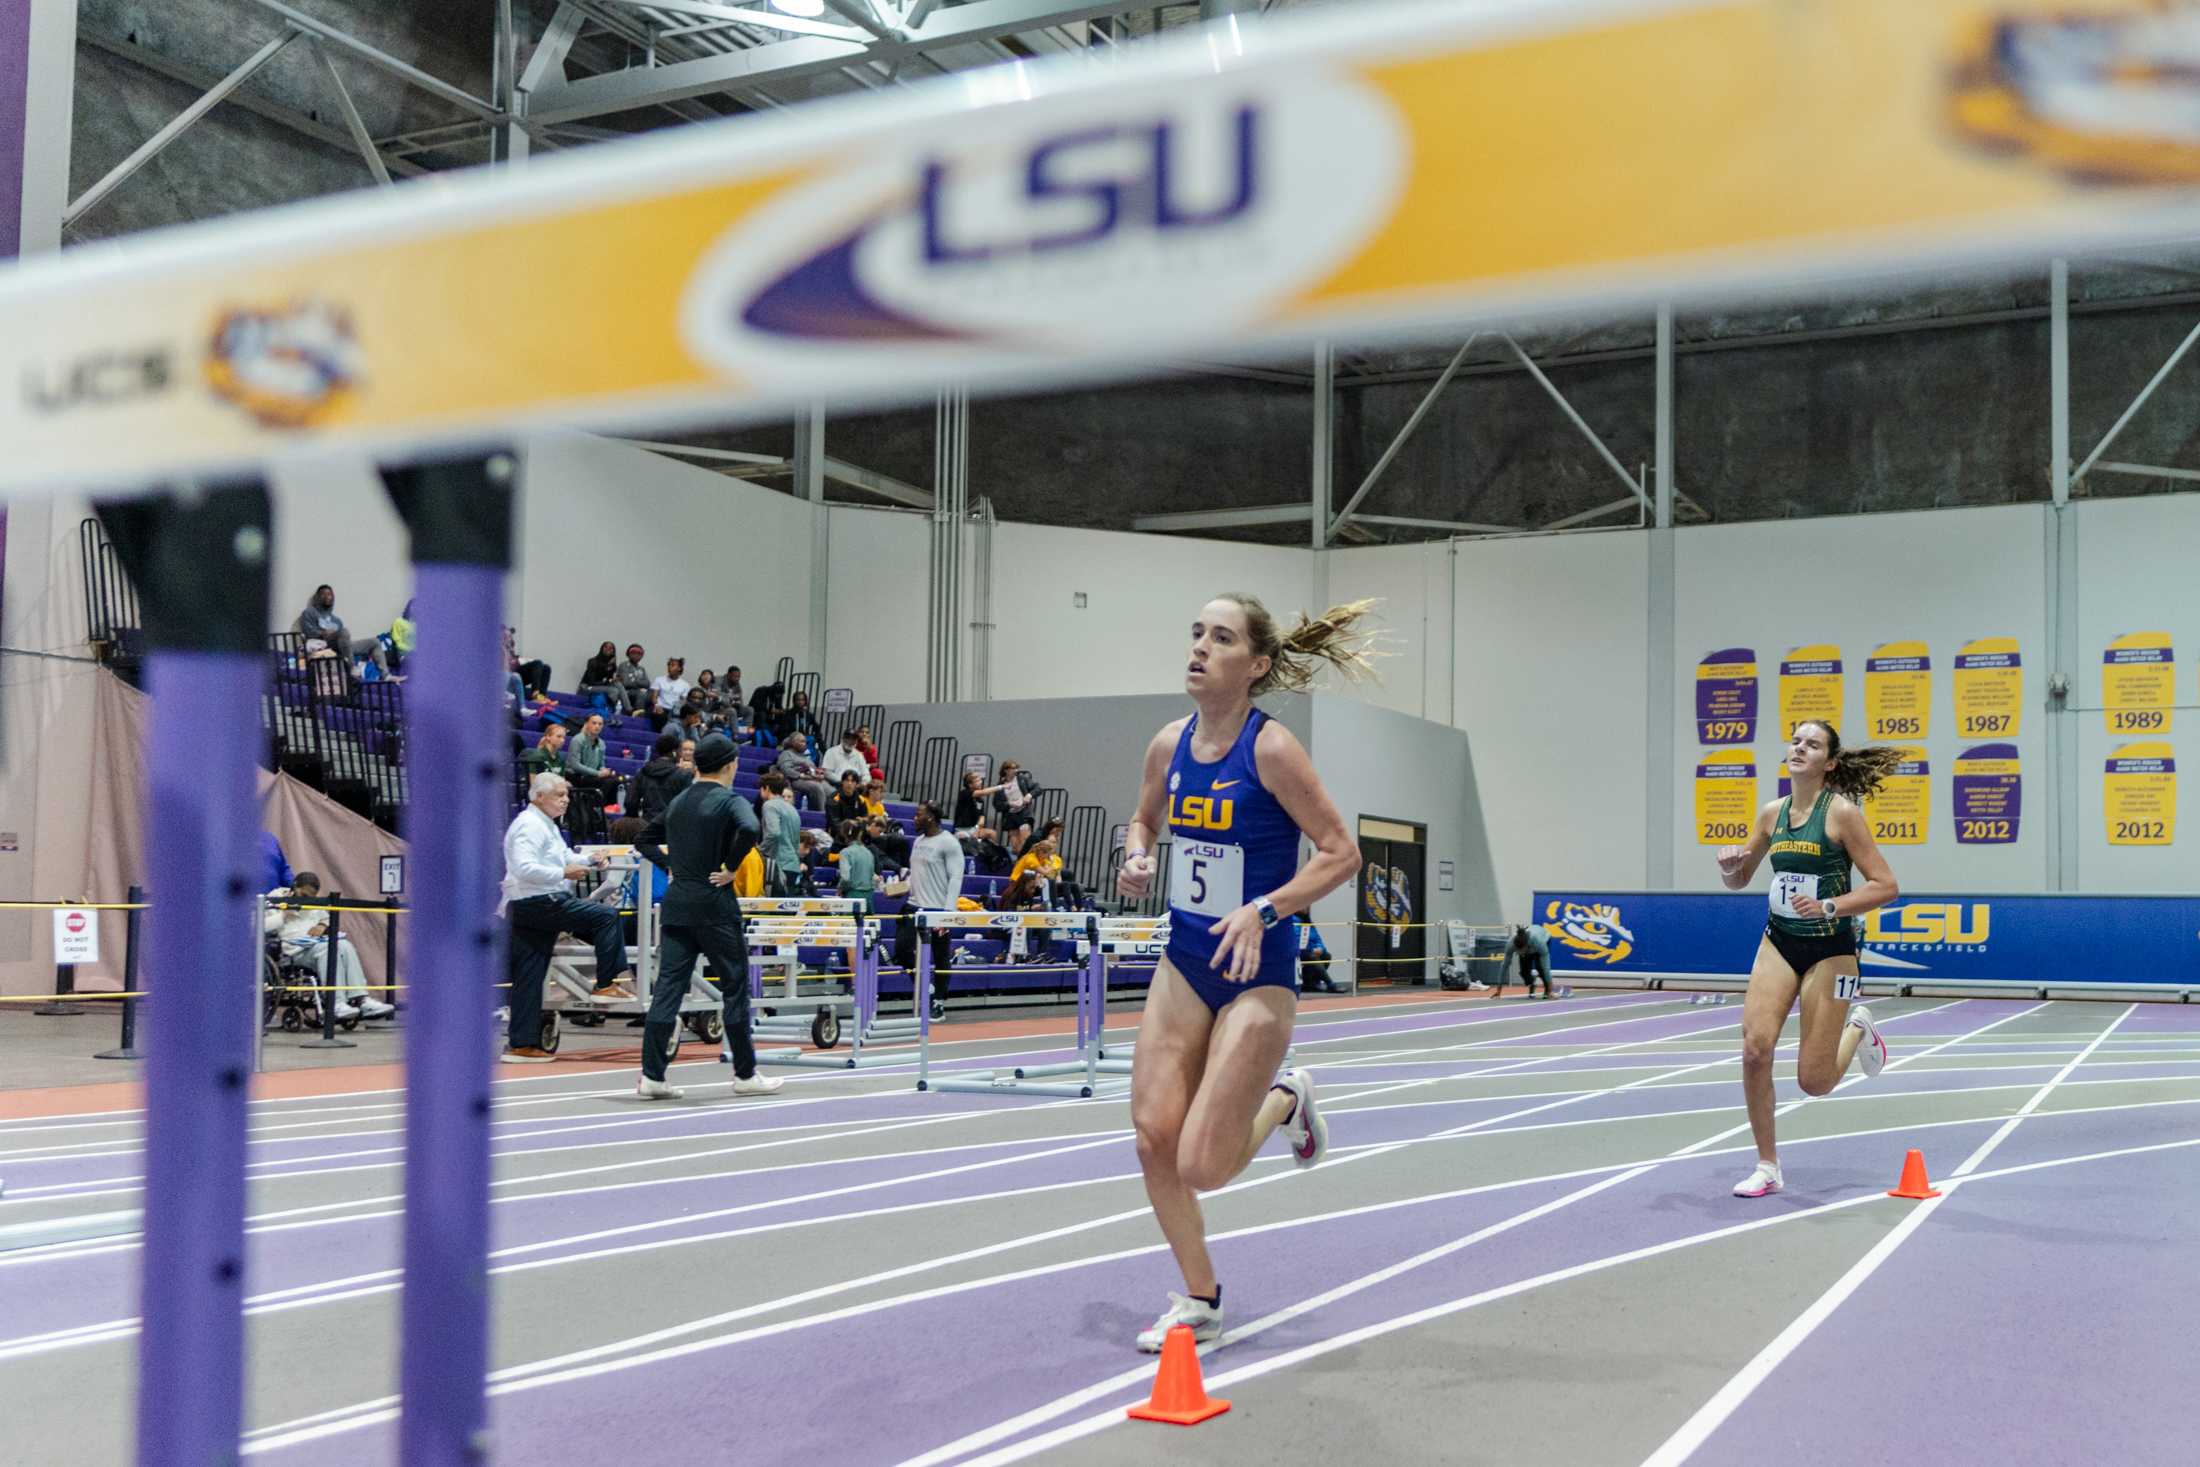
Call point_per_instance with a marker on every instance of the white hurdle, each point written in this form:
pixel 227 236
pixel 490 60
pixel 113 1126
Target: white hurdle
pixel 1102 939
pixel 777 928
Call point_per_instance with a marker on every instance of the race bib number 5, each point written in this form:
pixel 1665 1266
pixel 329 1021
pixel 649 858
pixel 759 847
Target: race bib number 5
pixel 1787 886
pixel 1207 878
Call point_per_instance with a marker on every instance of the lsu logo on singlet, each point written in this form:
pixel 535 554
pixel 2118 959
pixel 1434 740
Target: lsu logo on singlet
pixel 1201 812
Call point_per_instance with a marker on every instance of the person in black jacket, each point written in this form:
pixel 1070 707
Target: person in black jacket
pixel 796 718
pixel 847 803
pixel 709 830
pixel 601 676
pixel 661 778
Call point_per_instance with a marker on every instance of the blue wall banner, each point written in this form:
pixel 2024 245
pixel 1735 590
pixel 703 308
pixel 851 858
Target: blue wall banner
pixel 1928 938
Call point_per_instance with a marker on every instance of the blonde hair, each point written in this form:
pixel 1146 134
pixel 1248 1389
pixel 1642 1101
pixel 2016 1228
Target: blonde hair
pixel 1295 658
pixel 1860 772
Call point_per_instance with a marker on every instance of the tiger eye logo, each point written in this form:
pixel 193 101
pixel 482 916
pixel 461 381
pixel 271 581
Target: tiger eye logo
pixel 1592 932
pixel 288 368
pixel 2109 99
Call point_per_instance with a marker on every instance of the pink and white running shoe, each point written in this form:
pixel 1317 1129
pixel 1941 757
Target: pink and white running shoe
pixel 1762 1182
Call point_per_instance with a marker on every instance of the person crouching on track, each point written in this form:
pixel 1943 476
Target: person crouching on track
pixel 710 830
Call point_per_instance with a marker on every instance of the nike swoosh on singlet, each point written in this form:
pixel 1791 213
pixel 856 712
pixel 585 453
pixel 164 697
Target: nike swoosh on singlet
pixel 1222 784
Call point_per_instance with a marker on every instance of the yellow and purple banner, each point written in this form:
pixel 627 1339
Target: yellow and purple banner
pixel 1901 810
pixel 1810 687
pixel 1726 697
pixel 2139 795
pixel 1898 692
pixel 1989 689
pixel 2138 683
pixel 1989 795
pixel 1364 174
pixel 1726 797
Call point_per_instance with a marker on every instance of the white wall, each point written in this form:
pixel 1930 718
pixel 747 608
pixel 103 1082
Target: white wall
pixel 2136 574
pixel 1551 690
pixel 878 603
pixel 1942 578
pixel 1412 586
pixel 620 544
pixel 335 524
pixel 1143 593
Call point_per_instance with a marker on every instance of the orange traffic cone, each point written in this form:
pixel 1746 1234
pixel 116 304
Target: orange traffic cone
pixel 1914 1185
pixel 1178 1397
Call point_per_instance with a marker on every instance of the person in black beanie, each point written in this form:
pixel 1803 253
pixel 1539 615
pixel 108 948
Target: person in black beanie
pixel 709 829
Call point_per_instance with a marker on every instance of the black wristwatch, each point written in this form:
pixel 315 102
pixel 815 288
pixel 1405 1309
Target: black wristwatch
pixel 1269 916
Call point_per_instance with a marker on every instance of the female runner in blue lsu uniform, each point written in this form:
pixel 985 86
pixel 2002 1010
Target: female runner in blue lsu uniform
pixel 1237 791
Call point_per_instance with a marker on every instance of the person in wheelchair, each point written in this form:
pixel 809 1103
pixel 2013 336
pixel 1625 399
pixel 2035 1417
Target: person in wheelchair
pixel 303 932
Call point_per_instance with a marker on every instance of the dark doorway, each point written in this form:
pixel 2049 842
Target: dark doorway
pixel 1392 911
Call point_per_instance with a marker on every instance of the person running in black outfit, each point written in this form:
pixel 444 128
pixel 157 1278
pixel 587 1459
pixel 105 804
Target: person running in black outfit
pixel 710 829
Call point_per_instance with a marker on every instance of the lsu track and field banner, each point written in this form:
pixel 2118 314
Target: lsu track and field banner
pixel 2067 941
pixel 2138 683
pixel 1726 697
pixel 1988 685
pixel 1989 795
pixel 1363 173
pixel 1810 687
pixel 2139 795
pixel 1901 810
pixel 1726 797
pixel 1898 692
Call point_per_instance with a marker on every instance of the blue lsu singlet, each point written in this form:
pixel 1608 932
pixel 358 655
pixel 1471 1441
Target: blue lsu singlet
pixel 1233 842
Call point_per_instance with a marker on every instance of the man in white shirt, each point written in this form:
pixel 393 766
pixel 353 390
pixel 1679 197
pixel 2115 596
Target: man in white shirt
pixel 936 866
pixel 304 933
pixel 537 866
pixel 668 695
pixel 846 758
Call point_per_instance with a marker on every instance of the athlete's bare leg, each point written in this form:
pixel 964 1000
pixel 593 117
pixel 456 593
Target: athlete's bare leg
pixel 1828 1043
pixel 1772 988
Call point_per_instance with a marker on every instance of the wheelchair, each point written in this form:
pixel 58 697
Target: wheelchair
pixel 289 995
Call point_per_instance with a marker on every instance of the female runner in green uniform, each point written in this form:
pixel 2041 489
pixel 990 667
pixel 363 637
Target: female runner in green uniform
pixel 1809 946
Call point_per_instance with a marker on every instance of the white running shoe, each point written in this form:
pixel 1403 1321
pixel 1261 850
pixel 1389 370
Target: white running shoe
pixel 347 1010
pixel 1762 1182
pixel 649 1089
pixel 374 1008
pixel 757 1085
pixel 1204 1318
pixel 1871 1050
pixel 1307 1131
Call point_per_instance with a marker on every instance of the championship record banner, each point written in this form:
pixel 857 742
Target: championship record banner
pixel 2139 795
pixel 1810 687
pixel 1362 173
pixel 1989 795
pixel 1726 797
pixel 2138 683
pixel 1901 810
pixel 1898 692
pixel 1726 697
pixel 1935 938
pixel 1989 689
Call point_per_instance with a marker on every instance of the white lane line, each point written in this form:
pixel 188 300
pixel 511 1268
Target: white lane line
pixel 1253 1371
pixel 1709 1417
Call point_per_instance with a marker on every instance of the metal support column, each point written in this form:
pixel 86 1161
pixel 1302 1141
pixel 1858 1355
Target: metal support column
pixel 981 616
pixel 460 515
pixel 2058 380
pixel 508 139
pixel 1325 446
pixel 950 505
pixel 809 485
pixel 1664 426
pixel 199 560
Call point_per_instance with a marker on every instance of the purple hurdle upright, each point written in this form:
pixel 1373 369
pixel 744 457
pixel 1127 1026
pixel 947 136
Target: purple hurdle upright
pixel 200 566
pixel 457 752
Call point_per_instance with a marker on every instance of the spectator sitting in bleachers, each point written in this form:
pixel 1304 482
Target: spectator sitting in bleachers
pixel 633 679
pixel 858 866
pixel 887 841
pixel 795 767
pixel 874 798
pixel 847 802
pixel 658 780
pixel 320 623
pixel 796 718
pixel 548 755
pixel 844 758
pixel 691 726
pixel 600 679
pixel 533 673
pixel 687 755
pixel 764 713
pixel 398 642
pixel 304 934
pixel 1041 861
pixel 782 833
pixel 668 694
pixel 584 763
pixel 729 688
pixel 868 747
pixel 816 850
pixel 707 696
pixel 1013 808
pixel 970 818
